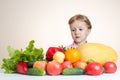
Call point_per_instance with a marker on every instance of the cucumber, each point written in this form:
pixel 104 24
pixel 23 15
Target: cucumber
pixel 36 72
pixel 73 71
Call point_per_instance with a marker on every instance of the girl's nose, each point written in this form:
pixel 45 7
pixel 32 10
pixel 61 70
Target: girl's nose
pixel 77 32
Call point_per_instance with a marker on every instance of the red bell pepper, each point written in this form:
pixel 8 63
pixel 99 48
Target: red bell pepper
pixel 51 51
pixel 22 68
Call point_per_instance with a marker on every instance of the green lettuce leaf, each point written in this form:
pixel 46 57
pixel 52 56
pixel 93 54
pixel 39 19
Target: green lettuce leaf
pixel 29 54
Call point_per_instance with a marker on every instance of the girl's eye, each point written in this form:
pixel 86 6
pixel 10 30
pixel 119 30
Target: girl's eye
pixel 80 29
pixel 73 30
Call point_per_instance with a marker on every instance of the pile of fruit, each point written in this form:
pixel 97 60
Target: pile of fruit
pixel 61 61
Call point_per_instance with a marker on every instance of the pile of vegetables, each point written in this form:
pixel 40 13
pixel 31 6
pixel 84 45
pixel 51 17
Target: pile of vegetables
pixel 30 54
pixel 59 60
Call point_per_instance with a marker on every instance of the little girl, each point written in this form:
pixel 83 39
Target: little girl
pixel 80 27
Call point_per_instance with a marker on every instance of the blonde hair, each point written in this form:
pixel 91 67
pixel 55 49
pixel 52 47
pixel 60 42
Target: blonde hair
pixel 80 18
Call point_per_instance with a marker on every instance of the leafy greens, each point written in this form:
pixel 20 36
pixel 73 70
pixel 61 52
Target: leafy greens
pixel 28 55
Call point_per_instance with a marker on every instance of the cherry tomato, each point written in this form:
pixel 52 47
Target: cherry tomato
pixel 22 67
pixel 94 69
pixel 110 67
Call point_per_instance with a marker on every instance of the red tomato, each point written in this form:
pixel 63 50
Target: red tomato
pixel 94 69
pixel 110 67
pixel 54 68
pixel 22 67
pixel 66 64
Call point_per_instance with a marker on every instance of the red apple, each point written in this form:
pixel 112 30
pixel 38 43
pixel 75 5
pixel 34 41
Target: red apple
pixel 51 51
pixel 54 68
pixel 67 64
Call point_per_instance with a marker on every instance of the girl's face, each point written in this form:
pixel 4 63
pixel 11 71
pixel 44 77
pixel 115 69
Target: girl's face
pixel 79 31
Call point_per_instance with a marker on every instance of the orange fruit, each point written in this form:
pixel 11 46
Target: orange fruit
pixel 72 55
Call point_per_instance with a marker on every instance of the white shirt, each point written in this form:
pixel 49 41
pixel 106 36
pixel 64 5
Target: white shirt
pixel 73 45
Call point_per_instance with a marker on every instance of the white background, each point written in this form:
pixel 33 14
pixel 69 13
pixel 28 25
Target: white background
pixel 46 22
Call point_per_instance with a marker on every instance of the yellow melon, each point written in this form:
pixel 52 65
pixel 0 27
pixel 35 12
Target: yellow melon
pixel 98 52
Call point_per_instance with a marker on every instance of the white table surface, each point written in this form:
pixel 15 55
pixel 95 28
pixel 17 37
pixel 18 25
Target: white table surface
pixel 104 76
